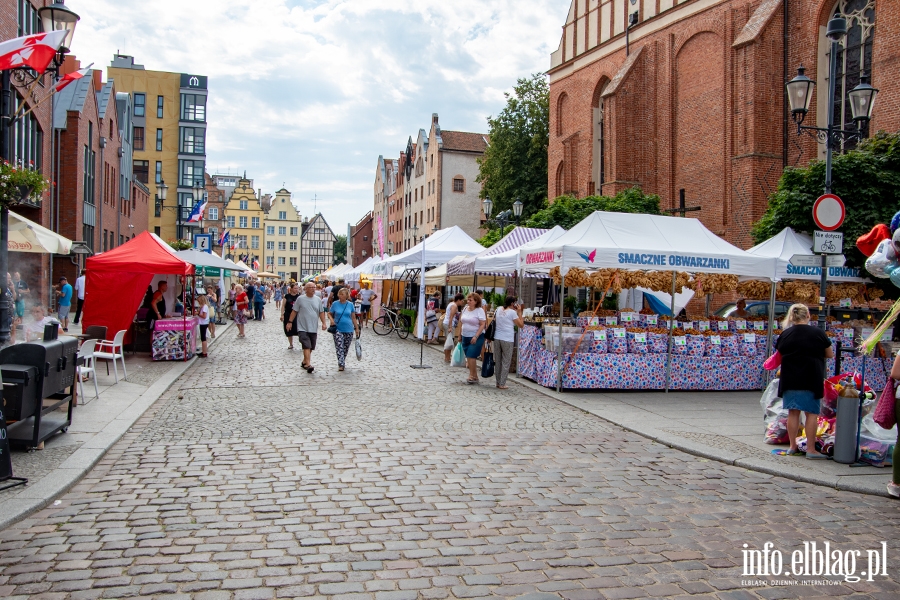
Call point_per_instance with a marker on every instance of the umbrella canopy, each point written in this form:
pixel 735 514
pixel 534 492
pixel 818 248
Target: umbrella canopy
pixel 206 259
pixel 645 242
pixel 28 236
pixel 512 240
pixel 786 244
pixel 266 275
pixel 439 248
pixel 507 262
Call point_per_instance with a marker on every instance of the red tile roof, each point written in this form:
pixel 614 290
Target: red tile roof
pixel 464 141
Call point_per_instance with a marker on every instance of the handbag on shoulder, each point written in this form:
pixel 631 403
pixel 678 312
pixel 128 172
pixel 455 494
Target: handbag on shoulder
pixel 885 414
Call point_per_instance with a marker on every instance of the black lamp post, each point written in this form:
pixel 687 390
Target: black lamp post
pixel 503 218
pixel 862 99
pixel 55 17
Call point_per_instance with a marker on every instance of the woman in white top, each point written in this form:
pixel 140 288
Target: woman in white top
pixel 473 320
pixel 203 313
pixel 451 320
pixel 506 318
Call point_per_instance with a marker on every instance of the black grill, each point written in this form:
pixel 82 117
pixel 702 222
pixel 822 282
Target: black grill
pixel 54 360
pixel 20 391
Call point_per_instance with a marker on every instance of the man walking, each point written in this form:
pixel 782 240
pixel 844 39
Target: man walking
pixel 64 303
pixel 79 295
pixel 309 314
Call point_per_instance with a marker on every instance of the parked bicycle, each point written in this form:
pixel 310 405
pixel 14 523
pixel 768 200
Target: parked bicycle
pixel 390 320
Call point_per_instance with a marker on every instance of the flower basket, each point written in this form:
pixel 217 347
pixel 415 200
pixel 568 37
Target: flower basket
pixel 20 185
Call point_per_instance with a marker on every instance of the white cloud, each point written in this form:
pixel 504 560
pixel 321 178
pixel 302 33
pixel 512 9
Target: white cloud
pixel 309 92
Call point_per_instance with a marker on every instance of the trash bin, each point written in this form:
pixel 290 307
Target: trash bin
pixel 845 428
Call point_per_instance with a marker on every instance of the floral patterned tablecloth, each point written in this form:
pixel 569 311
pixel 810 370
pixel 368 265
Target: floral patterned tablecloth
pixel 648 371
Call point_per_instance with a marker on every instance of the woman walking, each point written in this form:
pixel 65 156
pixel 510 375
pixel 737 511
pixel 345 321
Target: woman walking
pixel 803 350
pixel 290 326
pixel 473 320
pixel 343 316
pixel 506 319
pixel 203 313
pixel 279 291
pixel 259 303
pixel 451 321
pixel 893 486
pixel 241 304
pixel 213 301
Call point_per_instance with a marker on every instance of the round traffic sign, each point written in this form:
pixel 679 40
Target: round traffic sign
pixel 829 212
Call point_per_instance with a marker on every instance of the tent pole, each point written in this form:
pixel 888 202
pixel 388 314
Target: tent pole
pixel 771 326
pixel 559 352
pixel 519 277
pixel 671 331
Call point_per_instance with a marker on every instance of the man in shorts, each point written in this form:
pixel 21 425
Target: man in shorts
pixel 309 314
pixel 64 302
pixel 366 298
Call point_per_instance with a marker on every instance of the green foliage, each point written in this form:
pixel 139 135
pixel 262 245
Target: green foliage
pixel 567 211
pixel 180 244
pixel 514 165
pixel 18 183
pixel 340 249
pixel 866 179
pixel 492 237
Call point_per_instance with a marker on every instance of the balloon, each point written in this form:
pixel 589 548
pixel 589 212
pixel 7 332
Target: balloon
pixel 879 264
pixel 895 222
pixel 867 243
pixel 896 240
pixel 895 277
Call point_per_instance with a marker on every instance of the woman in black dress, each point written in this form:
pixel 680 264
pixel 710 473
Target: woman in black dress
pixel 290 327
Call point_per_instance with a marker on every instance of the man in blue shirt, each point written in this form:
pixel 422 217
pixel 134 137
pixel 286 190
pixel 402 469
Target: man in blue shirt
pixel 64 302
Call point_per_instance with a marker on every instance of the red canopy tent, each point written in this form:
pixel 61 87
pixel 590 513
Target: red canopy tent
pixel 117 280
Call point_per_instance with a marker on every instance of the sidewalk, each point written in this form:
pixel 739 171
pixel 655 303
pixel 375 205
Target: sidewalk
pixel 97 424
pixel 722 426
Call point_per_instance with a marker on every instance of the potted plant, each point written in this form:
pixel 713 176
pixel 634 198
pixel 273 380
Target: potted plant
pixel 19 184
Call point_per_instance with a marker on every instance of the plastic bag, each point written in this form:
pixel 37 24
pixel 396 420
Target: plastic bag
pixel 774 416
pixel 458 359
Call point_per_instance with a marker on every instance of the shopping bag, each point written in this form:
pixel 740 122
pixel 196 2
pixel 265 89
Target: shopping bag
pixel 773 362
pixel 358 350
pixel 884 412
pixel 487 365
pixel 459 357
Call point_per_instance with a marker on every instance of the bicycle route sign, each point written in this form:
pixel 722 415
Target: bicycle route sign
pixel 829 212
pixel 828 242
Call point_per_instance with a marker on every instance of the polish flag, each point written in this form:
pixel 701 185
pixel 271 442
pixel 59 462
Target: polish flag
pixel 75 76
pixel 197 213
pixel 35 51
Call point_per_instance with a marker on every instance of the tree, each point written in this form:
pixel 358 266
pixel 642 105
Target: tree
pixel 340 249
pixel 866 179
pixel 514 164
pixel 568 211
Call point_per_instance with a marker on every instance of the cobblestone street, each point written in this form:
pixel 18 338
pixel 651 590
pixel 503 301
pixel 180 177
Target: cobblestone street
pixel 251 479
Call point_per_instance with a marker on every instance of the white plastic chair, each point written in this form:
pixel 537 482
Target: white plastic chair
pixel 86 354
pixel 111 350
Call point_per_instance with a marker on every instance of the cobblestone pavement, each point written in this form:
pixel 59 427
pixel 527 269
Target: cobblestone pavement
pixel 253 479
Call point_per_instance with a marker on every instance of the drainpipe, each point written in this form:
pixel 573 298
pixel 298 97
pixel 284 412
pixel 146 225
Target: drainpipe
pixel 99 205
pixel 784 101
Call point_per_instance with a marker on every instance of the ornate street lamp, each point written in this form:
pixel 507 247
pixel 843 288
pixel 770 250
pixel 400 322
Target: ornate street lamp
pixel 488 205
pixel 58 17
pixel 517 209
pixel 862 100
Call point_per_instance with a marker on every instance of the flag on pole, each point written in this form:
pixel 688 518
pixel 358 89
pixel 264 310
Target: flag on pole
pixel 35 51
pixel 223 239
pixel 256 265
pixel 197 212
pixel 74 76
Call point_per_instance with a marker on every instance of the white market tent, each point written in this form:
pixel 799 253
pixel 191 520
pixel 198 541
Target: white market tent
pixel 206 259
pixel 241 266
pixel 507 263
pixel 512 240
pixel 438 277
pixel 355 273
pixel 788 243
pixel 442 246
pixel 645 242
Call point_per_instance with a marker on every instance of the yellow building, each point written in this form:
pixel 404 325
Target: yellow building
pixel 282 237
pixel 169 139
pixel 245 223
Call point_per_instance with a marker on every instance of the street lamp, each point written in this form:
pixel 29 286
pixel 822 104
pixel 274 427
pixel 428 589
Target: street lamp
pixel 503 218
pixel 415 231
pixel 862 99
pixel 58 17
pixel 390 246
pixel 517 209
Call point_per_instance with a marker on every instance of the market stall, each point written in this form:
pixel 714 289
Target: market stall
pixel 118 280
pixel 615 251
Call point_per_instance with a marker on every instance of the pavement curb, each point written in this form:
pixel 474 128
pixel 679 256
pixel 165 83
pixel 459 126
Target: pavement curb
pixel 44 491
pixel 673 441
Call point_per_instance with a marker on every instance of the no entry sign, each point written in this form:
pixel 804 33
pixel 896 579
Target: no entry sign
pixel 828 212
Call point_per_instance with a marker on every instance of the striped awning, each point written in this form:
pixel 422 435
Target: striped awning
pixel 512 240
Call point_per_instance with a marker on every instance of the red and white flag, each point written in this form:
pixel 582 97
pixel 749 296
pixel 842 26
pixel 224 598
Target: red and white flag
pixel 35 51
pixel 74 76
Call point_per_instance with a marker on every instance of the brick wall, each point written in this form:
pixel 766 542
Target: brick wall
pixel 690 108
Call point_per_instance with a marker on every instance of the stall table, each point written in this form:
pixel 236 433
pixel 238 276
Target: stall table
pixel 175 336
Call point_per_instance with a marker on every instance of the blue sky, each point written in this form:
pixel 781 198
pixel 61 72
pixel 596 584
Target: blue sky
pixel 308 93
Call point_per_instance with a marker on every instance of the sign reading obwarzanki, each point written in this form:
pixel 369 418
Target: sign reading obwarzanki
pixel 542 257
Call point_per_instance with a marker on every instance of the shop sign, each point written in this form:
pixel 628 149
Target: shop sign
pixel 703 325
pixel 715 340
pixel 627 318
pixel 619 333
pixel 651 319
pixel 612 321
pixel 723 325
pixel 208 271
pixel 740 324
pixel 640 338
pixel 750 338
pixel 759 325
pixel 600 336
pixel 679 340
pixel 595 321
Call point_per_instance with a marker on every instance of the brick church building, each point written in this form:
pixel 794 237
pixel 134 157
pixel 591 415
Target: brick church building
pixel 691 96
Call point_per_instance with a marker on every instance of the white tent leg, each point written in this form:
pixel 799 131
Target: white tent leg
pixel 771 326
pixel 671 331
